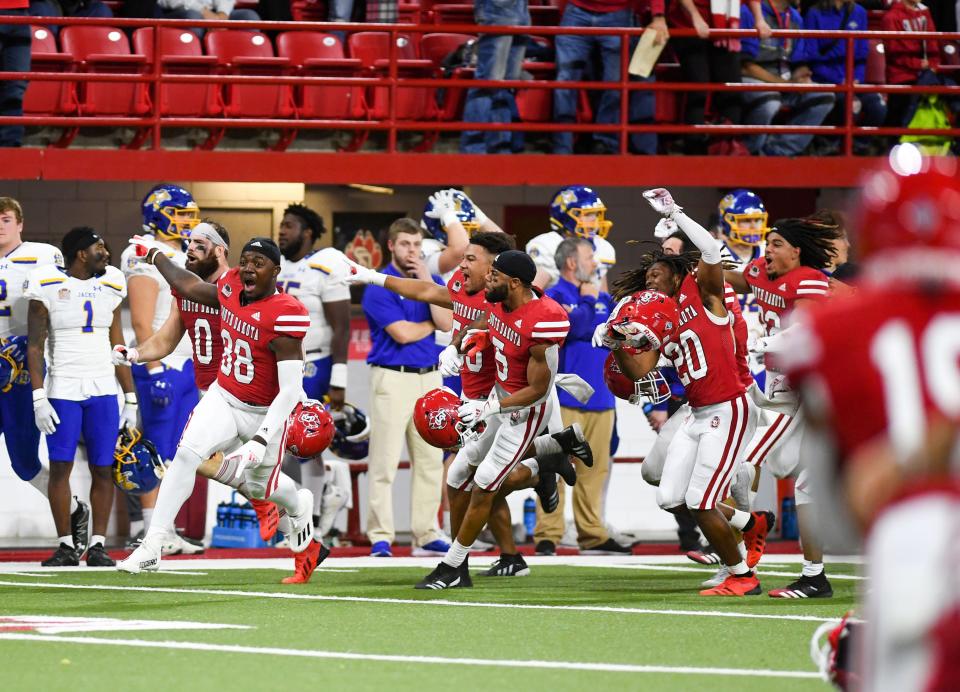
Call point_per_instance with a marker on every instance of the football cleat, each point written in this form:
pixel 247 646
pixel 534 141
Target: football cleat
pixel 80 527
pixel 466 581
pixel 268 517
pixel 702 558
pixel 717 579
pixel 146 558
pixel 175 544
pixel 574 443
pixel 334 499
pixel 805 587
pixel 756 538
pixel 546 489
pixel 442 577
pixel 746 585
pixel 608 547
pixel 306 562
pixel 301 524
pixel 508 566
pixel 97 557
pixel 63 556
pixel 546 548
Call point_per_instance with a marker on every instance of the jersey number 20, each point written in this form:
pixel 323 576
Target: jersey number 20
pixel 237 359
pixel 687 356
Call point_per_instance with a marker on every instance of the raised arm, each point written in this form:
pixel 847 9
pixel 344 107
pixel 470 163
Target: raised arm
pixel 423 290
pixel 736 280
pixel 186 283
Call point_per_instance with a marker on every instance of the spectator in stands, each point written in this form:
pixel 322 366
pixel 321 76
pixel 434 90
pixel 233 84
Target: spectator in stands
pixel 574 58
pixel 499 56
pixel 14 57
pixel 704 60
pixel 779 61
pixel 908 60
pixel 203 9
pixel 578 291
pixel 827 58
pixel 340 10
pixel 68 8
pixel 403 361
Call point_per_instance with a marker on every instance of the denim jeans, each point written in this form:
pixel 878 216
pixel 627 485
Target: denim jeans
pixel 14 57
pixel 498 57
pixel 760 107
pixel 49 8
pixel 574 54
pixel 340 10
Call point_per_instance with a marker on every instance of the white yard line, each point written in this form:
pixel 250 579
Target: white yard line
pixel 709 571
pixel 424 602
pixel 416 660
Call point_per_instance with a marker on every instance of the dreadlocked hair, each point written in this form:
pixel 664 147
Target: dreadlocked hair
pixel 813 236
pixel 634 280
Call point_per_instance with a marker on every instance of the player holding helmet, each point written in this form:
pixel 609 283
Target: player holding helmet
pixel 576 211
pixel 450 217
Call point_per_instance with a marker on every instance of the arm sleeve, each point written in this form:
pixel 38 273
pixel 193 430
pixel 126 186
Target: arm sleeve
pixel 290 378
pixel 708 246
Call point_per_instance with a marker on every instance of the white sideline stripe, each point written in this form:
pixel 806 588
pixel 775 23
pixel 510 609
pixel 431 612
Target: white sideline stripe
pixel 709 570
pixel 26 574
pixel 411 601
pixel 434 660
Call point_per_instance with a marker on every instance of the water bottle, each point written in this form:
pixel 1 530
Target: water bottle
pixel 789 529
pixel 529 517
pixel 222 515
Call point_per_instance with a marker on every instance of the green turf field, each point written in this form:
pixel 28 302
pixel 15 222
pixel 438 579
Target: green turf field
pixel 562 628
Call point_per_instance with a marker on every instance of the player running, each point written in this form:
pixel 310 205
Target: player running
pixel 257 387
pixel 20 434
pixel 79 309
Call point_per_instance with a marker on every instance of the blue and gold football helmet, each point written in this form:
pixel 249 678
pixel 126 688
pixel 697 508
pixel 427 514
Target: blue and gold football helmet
pixel 137 467
pixel 570 209
pixel 352 437
pixel 169 212
pixel 740 208
pixel 13 362
pixel 465 213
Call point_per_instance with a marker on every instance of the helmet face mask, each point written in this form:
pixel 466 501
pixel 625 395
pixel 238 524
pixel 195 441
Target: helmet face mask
pixel 652 387
pixel 436 418
pixel 351 440
pixel 743 218
pixel 137 467
pixel 169 212
pixel 578 210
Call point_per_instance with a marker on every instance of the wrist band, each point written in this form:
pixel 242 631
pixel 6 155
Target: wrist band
pixel 338 375
pixel 39 394
pixel 130 398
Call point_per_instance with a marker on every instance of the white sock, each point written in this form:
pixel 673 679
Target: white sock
pixel 136 527
pixel 147 516
pixel 533 465
pixel 67 540
pixel 286 495
pixel 457 554
pixel 739 519
pixel 742 547
pixel 446 521
pixel 312 478
pixel 740 569
pixel 812 569
pixel 174 491
pixel 40 483
pixel 94 540
pixel 545 444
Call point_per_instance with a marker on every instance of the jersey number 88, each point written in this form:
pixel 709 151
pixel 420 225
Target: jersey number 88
pixel 237 359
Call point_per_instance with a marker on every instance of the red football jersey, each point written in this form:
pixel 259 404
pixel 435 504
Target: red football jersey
pixel 776 297
pixel 203 328
pixel 513 334
pixel 732 301
pixel 477 374
pixel 885 360
pixel 248 369
pixel 703 351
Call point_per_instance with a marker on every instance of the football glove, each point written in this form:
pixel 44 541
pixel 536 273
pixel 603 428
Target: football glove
pixel 665 228
pixel 144 248
pixel 248 456
pixel 358 274
pixel 662 201
pixel 473 413
pixel 443 207
pixel 451 360
pixel 124 355
pixel 604 337
pixel 43 413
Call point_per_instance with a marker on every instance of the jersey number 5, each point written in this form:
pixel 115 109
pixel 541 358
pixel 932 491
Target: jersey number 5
pixel 500 358
pixel 237 359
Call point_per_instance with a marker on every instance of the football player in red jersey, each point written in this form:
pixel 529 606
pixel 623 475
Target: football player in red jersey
pixel 883 368
pixel 465 296
pixel 706 451
pixel 788 276
pixel 257 387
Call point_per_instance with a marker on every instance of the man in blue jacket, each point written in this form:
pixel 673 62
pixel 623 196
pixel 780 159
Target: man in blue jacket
pixel 827 58
pixel 778 61
pixel 579 293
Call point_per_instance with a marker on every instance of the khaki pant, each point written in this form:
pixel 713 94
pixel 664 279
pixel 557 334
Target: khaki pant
pixel 393 395
pixel 589 491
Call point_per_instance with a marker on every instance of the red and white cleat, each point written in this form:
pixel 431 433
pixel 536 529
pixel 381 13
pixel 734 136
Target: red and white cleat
pixel 268 516
pixel 756 538
pixel 736 586
pixel 306 562
pixel 703 558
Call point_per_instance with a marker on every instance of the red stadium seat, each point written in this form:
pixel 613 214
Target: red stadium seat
pixel 315 54
pixel 48 98
pixel 250 53
pixel 308 11
pixel 181 53
pixel 535 105
pixel 106 50
pixel 372 48
pixel 435 48
pixel 876 63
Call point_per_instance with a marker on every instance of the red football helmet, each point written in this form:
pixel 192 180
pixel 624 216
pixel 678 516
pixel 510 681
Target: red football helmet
pixel 310 430
pixel 436 419
pixel 648 319
pixel 652 386
pixel 908 216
